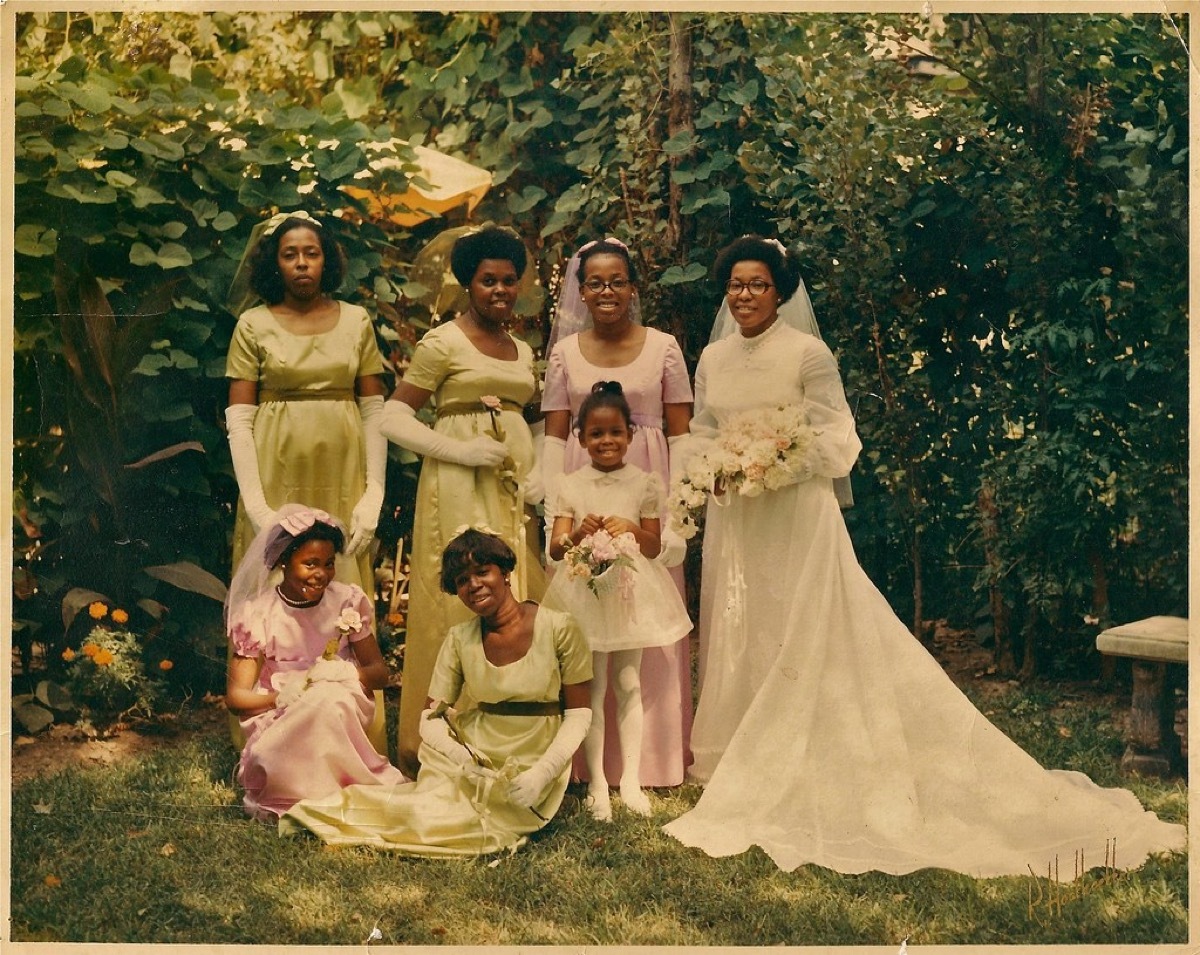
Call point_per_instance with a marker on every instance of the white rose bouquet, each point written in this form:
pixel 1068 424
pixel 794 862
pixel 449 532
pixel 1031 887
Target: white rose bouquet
pixel 756 451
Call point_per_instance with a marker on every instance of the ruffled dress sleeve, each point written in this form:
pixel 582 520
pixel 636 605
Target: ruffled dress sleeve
pixel 571 649
pixel 358 601
pixel 431 363
pixel 247 633
pixel 677 387
pixel 244 359
pixel 447 681
pixel 555 394
pixel 836 445
pixel 370 362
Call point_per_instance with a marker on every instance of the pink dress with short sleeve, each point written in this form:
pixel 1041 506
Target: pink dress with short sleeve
pixel 657 377
pixel 318 744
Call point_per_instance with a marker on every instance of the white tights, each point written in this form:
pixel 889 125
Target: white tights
pixel 626 666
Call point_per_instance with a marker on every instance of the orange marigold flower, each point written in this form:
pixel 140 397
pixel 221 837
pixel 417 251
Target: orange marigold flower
pixel 165 664
pixel 394 619
pixel 120 616
pixel 97 610
pixel 102 658
pixel 68 654
pixel 89 650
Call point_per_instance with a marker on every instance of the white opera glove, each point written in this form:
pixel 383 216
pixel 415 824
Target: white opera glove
pixel 532 489
pixel 435 732
pixel 672 549
pixel 336 670
pixel 239 422
pixel 528 788
pixel 554 458
pixel 290 692
pixel 401 426
pixel 365 516
pixel 679 451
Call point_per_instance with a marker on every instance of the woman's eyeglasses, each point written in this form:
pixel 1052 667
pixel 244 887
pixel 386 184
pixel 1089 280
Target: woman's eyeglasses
pixel 617 285
pixel 756 286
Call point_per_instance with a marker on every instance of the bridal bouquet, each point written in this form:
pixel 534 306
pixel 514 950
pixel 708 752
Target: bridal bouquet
pixel 756 451
pixel 601 561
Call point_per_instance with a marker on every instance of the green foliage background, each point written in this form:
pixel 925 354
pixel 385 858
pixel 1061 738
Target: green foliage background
pixel 991 212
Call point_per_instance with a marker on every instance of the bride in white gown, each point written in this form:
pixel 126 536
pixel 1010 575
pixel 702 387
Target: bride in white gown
pixel 825 733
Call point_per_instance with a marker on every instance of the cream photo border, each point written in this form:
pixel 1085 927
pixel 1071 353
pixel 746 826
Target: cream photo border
pixel 8 11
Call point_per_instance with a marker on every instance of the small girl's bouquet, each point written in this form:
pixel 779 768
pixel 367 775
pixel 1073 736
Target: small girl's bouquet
pixel 756 451
pixel 602 561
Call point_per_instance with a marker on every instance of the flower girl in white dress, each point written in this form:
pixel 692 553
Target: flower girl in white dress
pixel 606 528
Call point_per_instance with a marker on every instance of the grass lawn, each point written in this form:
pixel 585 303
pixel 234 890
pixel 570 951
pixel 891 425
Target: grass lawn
pixel 157 849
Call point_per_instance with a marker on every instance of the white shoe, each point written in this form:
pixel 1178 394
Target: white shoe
pixel 599 804
pixel 636 800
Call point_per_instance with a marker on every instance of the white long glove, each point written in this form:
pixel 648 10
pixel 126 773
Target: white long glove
pixel 336 670
pixel 239 421
pixel 435 731
pixel 554 456
pixel 528 787
pixel 680 448
pixel 400 425
pixel 365 516
pixel 673 550
pixel 290 692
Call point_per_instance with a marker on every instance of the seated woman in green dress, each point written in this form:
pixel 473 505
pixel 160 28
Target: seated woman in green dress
pixel 496 772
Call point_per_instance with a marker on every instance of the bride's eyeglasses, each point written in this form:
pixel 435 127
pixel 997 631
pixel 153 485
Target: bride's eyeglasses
pixel 596 286
pixel 756 286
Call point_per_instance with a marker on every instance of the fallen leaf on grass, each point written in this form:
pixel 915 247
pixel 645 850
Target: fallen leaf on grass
pixel 1065 732
pixel 43 808
pixel 167 850
pixel 52 881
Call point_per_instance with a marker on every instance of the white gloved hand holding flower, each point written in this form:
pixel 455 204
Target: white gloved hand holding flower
pixel 336 670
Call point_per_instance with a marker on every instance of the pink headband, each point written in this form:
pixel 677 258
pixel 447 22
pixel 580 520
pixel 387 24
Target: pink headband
pixel 609 239
pixel 291 527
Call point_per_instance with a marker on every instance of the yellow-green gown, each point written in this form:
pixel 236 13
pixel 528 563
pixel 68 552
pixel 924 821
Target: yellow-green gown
pixel 452 495
pixel 308 431
pixel 447 812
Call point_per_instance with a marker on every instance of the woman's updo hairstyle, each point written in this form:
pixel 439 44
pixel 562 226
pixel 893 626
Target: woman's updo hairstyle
pixel 265 277
pixel 605 394
pixel 785 271
pixel 474 547
pixel 492 242
pixel 320 531
pixel 606 247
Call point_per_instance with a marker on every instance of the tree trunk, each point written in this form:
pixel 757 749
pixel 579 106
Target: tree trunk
pixel 1029 656
pixel 680 113
pixel 1002 649
pixel 918 592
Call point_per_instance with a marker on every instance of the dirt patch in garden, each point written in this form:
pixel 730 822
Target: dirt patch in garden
pixel 65 745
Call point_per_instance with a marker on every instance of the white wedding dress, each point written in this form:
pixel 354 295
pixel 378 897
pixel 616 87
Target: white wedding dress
pixel 825 732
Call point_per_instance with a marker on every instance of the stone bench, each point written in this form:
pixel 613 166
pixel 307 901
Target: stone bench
pixel 1152 746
